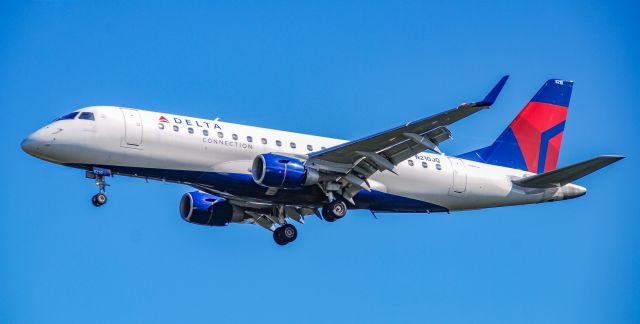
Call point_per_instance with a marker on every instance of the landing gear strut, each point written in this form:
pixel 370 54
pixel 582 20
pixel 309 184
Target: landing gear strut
pixel 285 234
pixel 334 210
pixel 100 198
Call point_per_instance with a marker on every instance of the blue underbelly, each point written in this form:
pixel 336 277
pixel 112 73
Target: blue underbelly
pixel 242 185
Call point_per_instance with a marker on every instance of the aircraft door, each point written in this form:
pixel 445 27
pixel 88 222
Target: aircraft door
pixel 459 184
pixel 132 128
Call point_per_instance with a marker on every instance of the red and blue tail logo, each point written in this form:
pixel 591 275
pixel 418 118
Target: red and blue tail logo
pixel 532 140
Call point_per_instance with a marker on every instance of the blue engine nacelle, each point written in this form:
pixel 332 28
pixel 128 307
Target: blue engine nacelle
pixel 205 209
pixel 277 171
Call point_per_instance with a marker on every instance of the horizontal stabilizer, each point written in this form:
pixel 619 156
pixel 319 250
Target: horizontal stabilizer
pixel 568 174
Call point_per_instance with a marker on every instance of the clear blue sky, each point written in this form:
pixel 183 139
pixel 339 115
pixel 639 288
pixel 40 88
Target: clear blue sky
pixel 327 68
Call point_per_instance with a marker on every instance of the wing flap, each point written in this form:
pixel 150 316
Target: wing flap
pixel 568 174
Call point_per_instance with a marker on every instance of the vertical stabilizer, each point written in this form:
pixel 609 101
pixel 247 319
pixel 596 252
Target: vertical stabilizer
pixel 532 140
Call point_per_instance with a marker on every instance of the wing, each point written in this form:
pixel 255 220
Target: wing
pixel 359 159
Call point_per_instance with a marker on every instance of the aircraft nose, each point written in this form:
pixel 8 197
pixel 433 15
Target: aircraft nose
pixel 36 142
pixel 27 145
pixel 31 145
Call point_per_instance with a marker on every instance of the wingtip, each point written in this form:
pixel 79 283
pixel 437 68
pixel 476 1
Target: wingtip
pixel 614 157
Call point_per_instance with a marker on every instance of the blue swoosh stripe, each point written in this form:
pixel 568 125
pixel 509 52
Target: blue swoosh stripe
pixel 544 144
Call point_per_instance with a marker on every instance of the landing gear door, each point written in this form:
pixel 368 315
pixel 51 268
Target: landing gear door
pixel 459 181
pixel 132 128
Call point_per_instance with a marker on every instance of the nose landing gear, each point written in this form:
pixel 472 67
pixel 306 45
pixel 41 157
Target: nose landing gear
pixel 100 198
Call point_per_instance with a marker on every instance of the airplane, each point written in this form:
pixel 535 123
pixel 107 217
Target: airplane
pixel 252 175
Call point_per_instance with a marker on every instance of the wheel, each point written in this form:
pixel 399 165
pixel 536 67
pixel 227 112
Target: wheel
pixel 338 208
pixel 327 215
pixel 334 210
pixel 289 232
pixel 278 236
pixel 99 199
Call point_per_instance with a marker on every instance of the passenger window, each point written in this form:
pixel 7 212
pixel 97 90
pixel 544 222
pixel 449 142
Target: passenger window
pixel 175 128
pixel 293 145
pixel 160 126
pixel 249 139
pixel 410 162
pixel 424 165
pixel 264 141
pixel 235 137
pixel 86 116
pixel 68 116
pixel 220 135
pixel 309 148
pixel 190 130
pixel 205 132
pixel 278 143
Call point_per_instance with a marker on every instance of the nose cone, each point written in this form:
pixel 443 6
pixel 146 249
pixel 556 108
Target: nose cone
pixel 35 143
pixel 27 145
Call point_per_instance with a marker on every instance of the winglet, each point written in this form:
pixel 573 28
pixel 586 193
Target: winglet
pixel 493 94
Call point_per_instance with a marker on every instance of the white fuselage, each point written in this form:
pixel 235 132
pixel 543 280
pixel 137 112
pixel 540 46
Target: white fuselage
pixel 165 146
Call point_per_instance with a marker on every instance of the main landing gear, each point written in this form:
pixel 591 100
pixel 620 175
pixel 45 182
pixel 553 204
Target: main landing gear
pixel 334 210
pixel 285 234
pixel 100 198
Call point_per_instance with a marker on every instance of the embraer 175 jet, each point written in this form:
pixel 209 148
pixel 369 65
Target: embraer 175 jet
pixel 253 175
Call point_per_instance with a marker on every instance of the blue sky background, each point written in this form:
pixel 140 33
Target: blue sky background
pixel 328 68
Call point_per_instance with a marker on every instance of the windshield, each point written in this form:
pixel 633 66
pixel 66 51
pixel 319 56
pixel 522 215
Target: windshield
pixel 86 115
pixel 68 116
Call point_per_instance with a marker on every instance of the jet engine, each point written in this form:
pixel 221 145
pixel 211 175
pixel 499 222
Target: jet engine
pixel 277 171
pixel 204 209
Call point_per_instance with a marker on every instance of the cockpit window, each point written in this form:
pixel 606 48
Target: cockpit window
pixel 86 115
pixel 68 116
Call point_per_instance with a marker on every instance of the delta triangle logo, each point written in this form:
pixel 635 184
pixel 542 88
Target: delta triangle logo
pixel 163 120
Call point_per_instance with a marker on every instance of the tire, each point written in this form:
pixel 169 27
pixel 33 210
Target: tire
pixel 94 202
pixel 289 232
pixel 334 211
pixel 327 215
pixel 279 237
pixel 99 199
